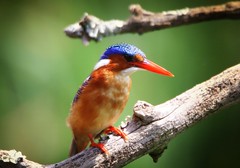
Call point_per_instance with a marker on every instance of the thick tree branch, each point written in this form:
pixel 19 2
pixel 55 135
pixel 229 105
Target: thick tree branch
pixel 152 127
pixel 141 21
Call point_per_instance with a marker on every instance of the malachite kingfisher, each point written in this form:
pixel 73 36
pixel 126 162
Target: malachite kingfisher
pixel 102 97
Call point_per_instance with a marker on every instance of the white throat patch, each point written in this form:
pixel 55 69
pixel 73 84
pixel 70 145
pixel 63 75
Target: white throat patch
pixel 101 63
pixel 129 71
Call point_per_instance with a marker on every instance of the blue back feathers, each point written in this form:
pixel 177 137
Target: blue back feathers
pixel 85 83
pixel 122 49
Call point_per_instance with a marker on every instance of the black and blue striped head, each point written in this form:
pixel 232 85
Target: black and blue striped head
pixel 128 51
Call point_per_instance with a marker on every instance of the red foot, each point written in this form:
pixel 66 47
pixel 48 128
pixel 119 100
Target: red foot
pixel 116 131
pixel 98 145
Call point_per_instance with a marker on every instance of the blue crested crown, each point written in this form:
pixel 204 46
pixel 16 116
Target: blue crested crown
pixel 122 49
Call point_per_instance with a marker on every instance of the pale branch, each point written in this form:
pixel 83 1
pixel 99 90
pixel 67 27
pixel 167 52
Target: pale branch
pixel 92 28
pixel 14 159
pixel 152 127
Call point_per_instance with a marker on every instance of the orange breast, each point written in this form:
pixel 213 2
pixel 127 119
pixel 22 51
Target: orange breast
pixel 100 103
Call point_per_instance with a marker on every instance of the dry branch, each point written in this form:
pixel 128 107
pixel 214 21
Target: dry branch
pixel 141 21
pixel 152 127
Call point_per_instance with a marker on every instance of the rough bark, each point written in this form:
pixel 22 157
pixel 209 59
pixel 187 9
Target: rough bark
pixel 152 127
pixel 141 21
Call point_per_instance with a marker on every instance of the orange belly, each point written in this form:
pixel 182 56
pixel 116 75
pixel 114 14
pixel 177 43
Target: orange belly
pixel 99 106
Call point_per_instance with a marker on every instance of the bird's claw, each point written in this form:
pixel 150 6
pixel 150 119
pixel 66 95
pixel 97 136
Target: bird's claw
pixel 98 145
pixel 117 131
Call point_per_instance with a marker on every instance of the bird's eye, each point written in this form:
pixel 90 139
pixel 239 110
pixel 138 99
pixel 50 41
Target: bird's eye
pixel 135 58
pixel 129 58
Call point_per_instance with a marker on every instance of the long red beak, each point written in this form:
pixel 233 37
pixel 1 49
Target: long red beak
pixel 151 66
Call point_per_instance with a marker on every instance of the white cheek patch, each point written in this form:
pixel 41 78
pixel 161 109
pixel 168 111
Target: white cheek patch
pixel 101 63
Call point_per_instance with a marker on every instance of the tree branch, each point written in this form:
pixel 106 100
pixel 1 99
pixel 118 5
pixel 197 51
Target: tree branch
pixel 141 21
pixel 152 127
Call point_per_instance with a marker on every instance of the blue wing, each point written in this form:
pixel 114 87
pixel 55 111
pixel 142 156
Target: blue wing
pixel 80 90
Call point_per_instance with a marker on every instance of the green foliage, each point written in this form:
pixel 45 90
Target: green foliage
pixel 41 69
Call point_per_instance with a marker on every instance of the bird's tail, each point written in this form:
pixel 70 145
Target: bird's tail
pixel 77 147
pixel 73 148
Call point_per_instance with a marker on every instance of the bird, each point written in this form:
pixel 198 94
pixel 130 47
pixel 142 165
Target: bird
pixel 102 97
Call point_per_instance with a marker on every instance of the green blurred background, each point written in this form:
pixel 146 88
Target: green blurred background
pixel 41 69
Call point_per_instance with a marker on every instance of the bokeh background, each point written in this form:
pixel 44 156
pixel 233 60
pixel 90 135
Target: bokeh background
pixel 41 70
